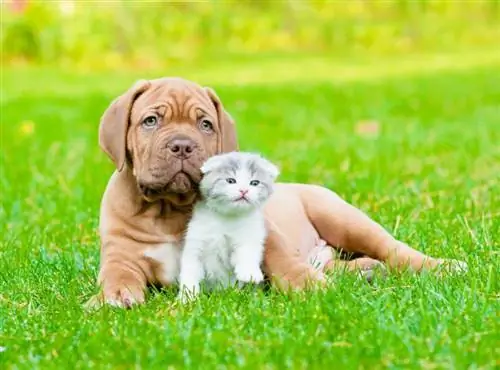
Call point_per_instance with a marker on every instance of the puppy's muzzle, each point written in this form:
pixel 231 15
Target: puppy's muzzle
pixel 151 190
pixel 181 147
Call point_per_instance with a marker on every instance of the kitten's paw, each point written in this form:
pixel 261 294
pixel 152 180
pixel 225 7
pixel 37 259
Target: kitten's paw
pixel 250 276
pixel 183 298
pixel 187 295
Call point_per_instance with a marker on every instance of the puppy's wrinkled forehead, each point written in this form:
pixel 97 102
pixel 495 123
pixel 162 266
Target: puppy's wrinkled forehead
pixel 175 99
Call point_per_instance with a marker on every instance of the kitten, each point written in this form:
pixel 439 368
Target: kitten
pixel 225 237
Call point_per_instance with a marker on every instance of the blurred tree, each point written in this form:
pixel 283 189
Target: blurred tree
pixel 156 34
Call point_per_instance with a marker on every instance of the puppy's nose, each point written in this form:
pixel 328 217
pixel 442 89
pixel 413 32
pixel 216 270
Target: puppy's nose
pixel 181 148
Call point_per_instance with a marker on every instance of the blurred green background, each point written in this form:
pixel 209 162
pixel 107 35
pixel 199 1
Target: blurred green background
pixel 395 105
pixel 160 34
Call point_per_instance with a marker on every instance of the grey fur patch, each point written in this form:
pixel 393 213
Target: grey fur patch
pixel 219 168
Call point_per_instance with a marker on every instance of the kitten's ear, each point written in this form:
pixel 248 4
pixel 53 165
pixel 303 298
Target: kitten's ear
pixel 211 164
pixel 270 168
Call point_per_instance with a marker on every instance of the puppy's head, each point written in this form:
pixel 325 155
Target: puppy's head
pixel 163 131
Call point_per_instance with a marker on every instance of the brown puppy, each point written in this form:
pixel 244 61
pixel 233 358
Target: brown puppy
pixel 158 134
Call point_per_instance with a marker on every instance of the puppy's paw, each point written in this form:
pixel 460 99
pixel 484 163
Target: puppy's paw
pixel 249 275
pixel 125 298
pixel 452 266
pixel 120 297
pixel 320 256
pixel 368 264
pixel 370 268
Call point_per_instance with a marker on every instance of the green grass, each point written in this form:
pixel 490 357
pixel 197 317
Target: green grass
pixel 429 175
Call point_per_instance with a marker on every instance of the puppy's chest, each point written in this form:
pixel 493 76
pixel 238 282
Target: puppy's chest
pixel 166 266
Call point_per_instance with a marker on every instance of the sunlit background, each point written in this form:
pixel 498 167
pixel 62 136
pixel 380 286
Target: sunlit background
pixel 394 105
pixel 157 35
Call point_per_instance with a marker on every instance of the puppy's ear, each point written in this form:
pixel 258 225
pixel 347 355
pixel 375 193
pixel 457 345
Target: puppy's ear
pixel 115 122
pixel 228 137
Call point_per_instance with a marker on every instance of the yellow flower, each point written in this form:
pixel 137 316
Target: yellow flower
pixel 27 128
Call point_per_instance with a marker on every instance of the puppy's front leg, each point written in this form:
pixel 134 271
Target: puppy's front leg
pixel 122 277
pixel 246 259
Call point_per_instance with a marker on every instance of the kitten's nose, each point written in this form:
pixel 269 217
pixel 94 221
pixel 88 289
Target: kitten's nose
pixel 243 192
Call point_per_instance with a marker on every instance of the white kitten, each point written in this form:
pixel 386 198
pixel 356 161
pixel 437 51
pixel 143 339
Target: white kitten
pixel 225 237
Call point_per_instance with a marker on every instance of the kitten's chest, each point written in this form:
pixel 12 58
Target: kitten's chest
pixel 222 236
pixel 219 248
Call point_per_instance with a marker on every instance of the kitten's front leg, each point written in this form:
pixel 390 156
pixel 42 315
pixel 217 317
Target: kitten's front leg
pixel 191 274
pixel 246 260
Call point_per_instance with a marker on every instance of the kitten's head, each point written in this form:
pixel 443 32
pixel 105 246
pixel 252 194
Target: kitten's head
pixel 237 182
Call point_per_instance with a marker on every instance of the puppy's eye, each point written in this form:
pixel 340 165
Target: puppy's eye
pixel 206 125
pixel 150 122
pixel 230 180
pixel 254 182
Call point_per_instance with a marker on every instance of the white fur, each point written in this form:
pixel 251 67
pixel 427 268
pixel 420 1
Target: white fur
pixel 168 255
pixel 221 249
pixel 225 238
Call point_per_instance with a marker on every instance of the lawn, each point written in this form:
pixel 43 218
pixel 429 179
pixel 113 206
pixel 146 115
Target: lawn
pixel 416 148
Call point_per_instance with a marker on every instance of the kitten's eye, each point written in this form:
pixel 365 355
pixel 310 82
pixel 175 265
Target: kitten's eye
pixel 150 122
pixel 230 180
pixel 206 125
pixel 254 182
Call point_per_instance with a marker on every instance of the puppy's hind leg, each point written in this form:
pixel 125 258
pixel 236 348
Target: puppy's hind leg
pixel 324 258
pixel 342 225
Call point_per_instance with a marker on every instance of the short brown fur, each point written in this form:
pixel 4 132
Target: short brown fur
pixel 148 200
